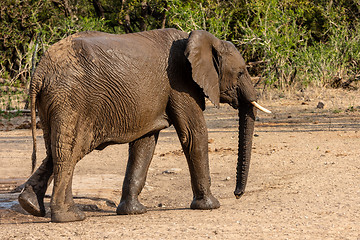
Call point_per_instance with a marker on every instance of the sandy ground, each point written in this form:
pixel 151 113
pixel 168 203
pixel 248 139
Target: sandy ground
pixel 303 184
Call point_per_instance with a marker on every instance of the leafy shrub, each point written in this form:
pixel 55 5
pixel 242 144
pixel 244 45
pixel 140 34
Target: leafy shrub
pixel 295 43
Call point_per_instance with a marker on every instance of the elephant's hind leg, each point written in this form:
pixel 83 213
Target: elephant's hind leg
pixel 63 208
pixel 141 152
pixel 66 153
pixel 32 197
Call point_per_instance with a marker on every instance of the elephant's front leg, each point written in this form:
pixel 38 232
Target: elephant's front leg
pixel 141 152
pixel 195 147
pixel 191 128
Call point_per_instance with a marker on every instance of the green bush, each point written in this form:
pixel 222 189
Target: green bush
pixel 212 16
pixel 27 29
pixel 295 43
pixel 300 42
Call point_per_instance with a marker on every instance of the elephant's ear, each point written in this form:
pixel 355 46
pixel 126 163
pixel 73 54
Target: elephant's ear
pixel 201 51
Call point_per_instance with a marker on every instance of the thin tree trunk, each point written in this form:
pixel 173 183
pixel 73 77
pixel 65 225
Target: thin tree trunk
pixel 98 8
pixel 68 11
pixel 144 13
pixel 65 4
pixel 166 8
pixel 127 22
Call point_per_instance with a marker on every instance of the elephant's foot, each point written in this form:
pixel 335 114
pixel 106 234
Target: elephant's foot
pixel 31 202
pixel 205 203
pixel 71 214
pixel 132 207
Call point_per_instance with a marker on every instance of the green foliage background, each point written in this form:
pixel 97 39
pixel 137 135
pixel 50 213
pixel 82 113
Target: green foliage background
pixel 288 43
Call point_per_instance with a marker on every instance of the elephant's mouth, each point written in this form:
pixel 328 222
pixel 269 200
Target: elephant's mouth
pixel 230 96
pixel 234 98
pixel 234 103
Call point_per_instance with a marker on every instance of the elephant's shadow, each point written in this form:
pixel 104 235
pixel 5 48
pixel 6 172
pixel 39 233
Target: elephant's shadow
pixel 102 206
pixel 111 204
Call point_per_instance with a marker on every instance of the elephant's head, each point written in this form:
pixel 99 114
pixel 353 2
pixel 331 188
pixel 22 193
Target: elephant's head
pixel 220 70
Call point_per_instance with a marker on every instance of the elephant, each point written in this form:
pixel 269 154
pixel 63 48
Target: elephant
pixel 95 89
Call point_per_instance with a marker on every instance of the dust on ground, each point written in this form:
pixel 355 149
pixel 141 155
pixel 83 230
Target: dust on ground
pixel 303 183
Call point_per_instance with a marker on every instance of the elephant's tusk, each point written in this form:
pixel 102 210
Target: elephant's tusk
pixel 260 107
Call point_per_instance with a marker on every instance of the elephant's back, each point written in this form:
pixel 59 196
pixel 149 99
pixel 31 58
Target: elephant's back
pixel 103 53
pixel 97 60
pixel 106 80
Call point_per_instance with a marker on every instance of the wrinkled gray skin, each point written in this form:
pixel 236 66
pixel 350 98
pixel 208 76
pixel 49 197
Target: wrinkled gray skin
pixel 94 89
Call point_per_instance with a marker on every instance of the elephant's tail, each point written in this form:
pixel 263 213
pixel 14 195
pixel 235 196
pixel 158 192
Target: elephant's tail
pixel 35 86
pixel 33 129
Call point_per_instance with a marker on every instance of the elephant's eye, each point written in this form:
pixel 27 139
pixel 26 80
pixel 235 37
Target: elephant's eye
pixel 240 74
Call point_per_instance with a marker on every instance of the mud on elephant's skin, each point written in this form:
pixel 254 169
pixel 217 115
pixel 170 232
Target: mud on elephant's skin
pixel 93 89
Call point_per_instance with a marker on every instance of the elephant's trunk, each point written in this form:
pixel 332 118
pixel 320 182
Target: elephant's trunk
pixel 246 128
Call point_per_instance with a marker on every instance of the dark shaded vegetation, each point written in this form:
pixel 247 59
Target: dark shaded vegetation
pixel 290 43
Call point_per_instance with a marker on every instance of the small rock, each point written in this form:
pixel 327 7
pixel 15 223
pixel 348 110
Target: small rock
pixel 256 135
pixel 148 188
pixel 227 178
pixel 320 105
pixel 90 207
pixel 172 171
pixel 110 203
pixel 24 125
pixel 211 140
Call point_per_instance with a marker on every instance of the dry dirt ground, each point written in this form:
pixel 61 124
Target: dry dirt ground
pixel 303 184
